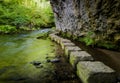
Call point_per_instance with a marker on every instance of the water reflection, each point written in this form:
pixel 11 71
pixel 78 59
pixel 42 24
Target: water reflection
pixel 16 54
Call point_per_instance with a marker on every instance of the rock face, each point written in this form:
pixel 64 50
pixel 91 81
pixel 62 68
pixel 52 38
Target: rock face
pixel 98 21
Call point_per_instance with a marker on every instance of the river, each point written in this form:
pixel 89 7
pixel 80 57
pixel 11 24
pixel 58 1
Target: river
pixel 26 59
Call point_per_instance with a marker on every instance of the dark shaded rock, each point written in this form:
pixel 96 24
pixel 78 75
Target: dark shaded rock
pixel 39 66
pixel 40 37
pixel 36 63
pixel 55 60
pixel 48 60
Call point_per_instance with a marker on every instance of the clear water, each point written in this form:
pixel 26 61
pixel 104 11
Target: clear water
pixel 19 51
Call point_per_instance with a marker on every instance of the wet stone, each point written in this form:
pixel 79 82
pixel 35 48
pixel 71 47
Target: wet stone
pixel 67 44
pixel 36 63
pixel 40 37
pixel 69 49
pixel 48 60
pixel 64 41
pixel 52 36
pixel 55 60
pixel 77 56
pixel 57 39
pixel 95 72
pixel 52 60
pixel 39 66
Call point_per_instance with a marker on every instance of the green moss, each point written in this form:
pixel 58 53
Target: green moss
pixel 7 29
pixel 106 44
pixel 87 41
pixel 68 35
pixel 90 40
pixel 75 38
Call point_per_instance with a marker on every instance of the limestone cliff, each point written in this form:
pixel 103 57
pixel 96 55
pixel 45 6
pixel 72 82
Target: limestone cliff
pixel 96 22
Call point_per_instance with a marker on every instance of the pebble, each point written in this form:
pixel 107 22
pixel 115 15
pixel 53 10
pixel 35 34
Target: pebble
pixel 55 60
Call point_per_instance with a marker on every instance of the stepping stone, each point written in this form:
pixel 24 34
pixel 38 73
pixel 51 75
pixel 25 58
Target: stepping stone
pixel 57 39
pixel 95 72
pixel 69 49
pixel 64 41
pixel 52 36
pixel 77 56
pixel 67 44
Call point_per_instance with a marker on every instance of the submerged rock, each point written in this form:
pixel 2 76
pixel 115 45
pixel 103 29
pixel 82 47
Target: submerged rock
pixel 36 63
pixel 48 60
pixel 55 60
pixel 39 66
pixel 40 37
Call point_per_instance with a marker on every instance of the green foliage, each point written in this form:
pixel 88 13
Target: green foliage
pixel 7 28
pixel 27 13
pixel 88 39
pixel 106 44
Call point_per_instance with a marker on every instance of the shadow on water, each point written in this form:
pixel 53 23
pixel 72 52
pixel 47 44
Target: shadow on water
pixel 26 59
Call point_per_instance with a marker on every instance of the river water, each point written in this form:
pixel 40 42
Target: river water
pixel 26 59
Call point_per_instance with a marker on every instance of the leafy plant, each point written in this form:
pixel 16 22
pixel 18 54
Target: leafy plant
pixel 26 13
pixel 88 39
pixel 7 28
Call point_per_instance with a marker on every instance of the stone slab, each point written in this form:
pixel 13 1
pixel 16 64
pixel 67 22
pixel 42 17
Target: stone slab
pixel 69 49
pixel 95 72
pixel 52 36
pixel 67 44
pixel 77 56
pixel 64 41
pixel 57 39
